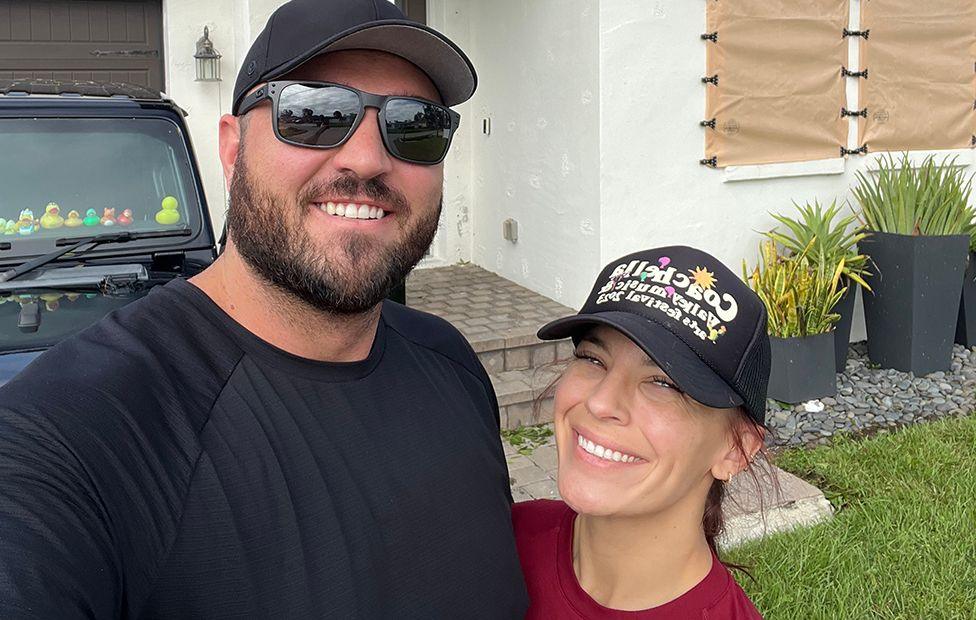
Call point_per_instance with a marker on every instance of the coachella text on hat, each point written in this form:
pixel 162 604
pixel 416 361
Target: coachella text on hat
pixel 685 296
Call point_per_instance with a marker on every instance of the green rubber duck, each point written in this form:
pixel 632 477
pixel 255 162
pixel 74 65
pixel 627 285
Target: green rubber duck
pixel 91 218
pixel 169 213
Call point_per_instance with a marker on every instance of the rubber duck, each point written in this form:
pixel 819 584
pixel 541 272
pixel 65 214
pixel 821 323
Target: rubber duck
pixel 74 220
pixel 51 301
pixel 169 213
pixel 126 218
pixel 10 228
pixel 26 224
pixel 91 218
pixel 108 217
pixel 3 224
pixel 52 216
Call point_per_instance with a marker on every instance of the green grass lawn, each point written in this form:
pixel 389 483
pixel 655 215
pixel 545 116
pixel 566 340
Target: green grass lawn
pixel 902 544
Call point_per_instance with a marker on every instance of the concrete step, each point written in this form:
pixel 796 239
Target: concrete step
pixel 498 317
pixel 508 355
pixel 517 392
pixel 753 512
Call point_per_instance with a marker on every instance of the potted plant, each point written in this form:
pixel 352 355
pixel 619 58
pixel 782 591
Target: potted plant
pixel 918 222
pixel 966 323
pixel 800 297
pixel 830 242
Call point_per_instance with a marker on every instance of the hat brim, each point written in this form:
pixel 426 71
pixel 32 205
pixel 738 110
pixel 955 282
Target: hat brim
pixel 669 352
pixel 444 63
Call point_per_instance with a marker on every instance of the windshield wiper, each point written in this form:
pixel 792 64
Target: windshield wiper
pixel 73 244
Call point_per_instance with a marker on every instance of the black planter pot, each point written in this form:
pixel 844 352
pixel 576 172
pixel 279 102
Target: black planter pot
pixel 917 284
pixel 842 329
pixel 802 368
pixel 966 324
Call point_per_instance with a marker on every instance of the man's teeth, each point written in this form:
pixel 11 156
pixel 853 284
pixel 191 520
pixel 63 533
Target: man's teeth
pixel 605 453
pixel 353 211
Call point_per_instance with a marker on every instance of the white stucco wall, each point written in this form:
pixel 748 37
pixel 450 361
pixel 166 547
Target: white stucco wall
pixel 538 76
pixel 594 142
pixel 648 189
pixel 652 189
pixel 453 243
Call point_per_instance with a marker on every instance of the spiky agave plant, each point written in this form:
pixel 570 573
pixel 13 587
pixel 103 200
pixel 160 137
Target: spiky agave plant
pixel 799 294
pixel 828 240
pixel 930 200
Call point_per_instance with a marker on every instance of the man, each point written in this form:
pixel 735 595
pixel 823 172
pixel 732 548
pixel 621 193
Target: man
pixel 271 439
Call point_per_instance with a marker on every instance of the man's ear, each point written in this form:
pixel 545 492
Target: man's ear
pixel 738 454
pixel 229 135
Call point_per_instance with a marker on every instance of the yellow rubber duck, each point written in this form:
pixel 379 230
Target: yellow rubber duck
pixel 74 219
pixel 51 301
pixel 52 216
pixel 169 213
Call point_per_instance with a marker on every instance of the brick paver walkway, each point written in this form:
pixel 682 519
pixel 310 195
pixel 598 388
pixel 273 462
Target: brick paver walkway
pixel 490 311
pixel 533 476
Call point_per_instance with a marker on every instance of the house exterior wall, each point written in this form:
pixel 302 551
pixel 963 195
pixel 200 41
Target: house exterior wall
pixel 648 99
pixel 537 64
pixel 594 142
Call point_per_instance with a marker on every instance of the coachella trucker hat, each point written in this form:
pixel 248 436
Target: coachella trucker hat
pixel 695 318
pixel 302 29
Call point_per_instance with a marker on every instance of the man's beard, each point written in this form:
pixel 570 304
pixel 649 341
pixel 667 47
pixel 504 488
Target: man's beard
pixel 268 233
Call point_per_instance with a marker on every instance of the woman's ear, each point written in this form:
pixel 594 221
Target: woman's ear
pixel 744 440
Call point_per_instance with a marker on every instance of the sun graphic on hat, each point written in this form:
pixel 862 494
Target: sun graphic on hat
pixel 703 277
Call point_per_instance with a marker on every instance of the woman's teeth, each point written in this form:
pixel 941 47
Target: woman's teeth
pixel 352 211
pixel 605 453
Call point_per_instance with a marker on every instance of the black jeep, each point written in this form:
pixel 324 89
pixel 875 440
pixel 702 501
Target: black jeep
pixel 100 200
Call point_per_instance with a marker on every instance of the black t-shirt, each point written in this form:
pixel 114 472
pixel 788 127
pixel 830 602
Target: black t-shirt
pixel 166 463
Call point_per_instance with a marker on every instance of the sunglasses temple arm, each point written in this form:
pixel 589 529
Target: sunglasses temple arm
pixel 252 100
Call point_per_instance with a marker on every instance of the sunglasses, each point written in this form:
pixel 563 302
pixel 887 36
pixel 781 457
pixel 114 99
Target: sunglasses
pixel 322 115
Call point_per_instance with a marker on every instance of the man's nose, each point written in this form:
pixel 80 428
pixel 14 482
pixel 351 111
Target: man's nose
pixel 364 154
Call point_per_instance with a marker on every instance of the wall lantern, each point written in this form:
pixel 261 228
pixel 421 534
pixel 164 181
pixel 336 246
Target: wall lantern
pixel 208 60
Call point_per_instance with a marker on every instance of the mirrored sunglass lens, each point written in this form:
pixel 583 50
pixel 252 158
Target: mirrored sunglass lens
pixel 416 130
pixel 316 115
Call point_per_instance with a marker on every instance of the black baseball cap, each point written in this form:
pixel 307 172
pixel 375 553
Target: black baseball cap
pixel 696 319
pixel 301 29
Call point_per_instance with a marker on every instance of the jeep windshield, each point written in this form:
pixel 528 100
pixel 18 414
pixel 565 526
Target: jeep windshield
pixel 65 178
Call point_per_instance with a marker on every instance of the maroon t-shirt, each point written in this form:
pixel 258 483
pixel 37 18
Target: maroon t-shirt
pixel 544 535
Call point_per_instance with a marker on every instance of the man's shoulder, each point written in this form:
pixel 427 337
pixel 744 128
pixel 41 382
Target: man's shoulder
pixel 431 332
pixel 157 355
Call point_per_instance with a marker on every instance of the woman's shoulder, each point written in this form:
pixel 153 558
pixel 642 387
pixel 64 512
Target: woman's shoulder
pixel 732 602
pixel 737 603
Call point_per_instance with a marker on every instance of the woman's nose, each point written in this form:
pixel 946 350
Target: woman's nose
pixel 608 400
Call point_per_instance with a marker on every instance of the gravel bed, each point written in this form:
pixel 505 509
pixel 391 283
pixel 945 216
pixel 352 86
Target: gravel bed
pixel 871 398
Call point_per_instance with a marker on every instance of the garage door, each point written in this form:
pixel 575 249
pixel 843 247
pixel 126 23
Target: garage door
pixel 101 40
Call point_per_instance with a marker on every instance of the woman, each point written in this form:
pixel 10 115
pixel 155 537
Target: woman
pixel 663 404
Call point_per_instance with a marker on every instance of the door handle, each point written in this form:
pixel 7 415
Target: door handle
pixel 124 52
